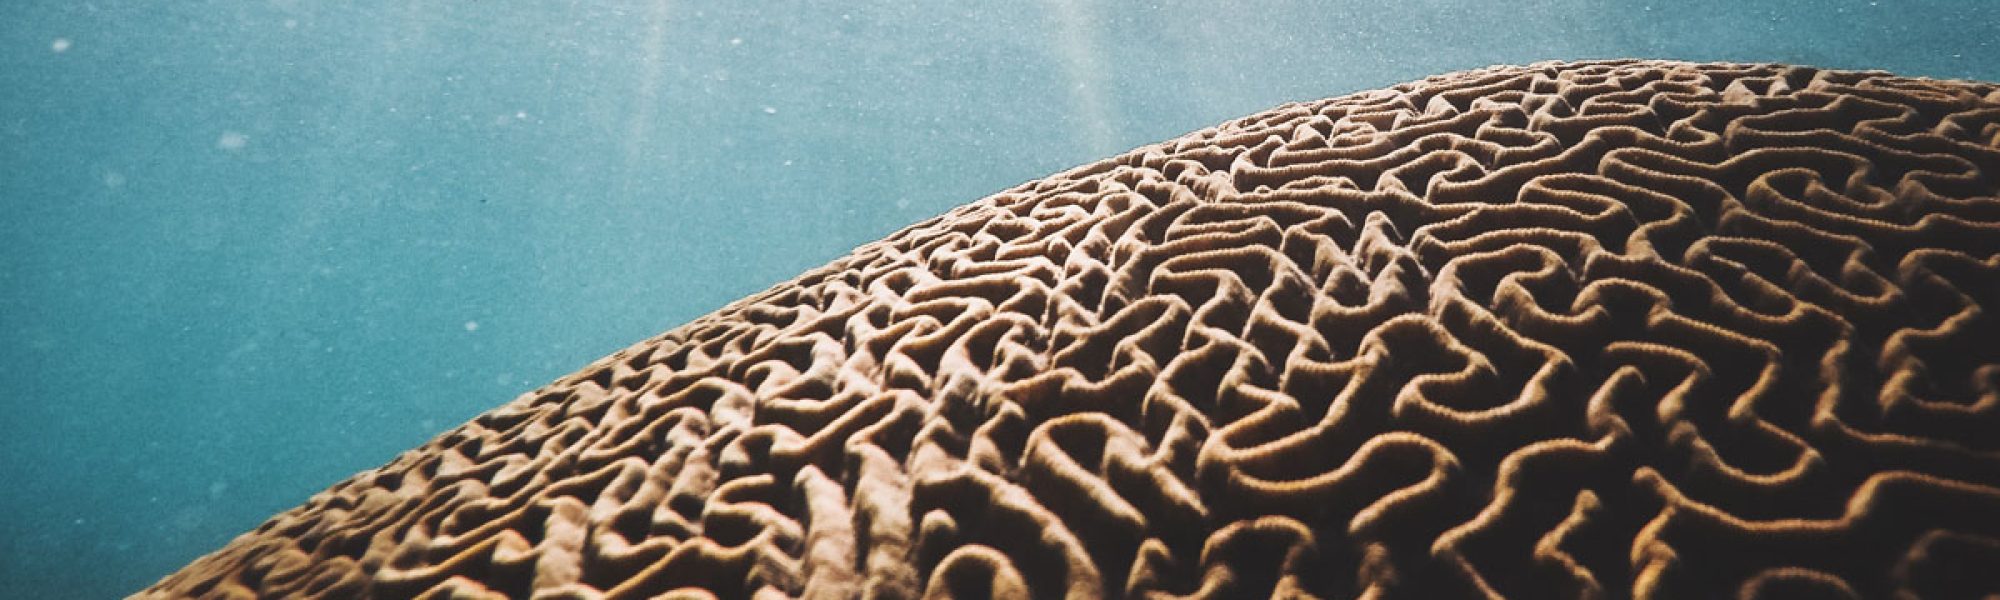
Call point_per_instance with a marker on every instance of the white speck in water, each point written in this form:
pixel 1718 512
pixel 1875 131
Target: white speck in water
pixel 735 41
pixel 788 163
pixel 472 326
pixel 770 110
pixel 60 46
pixel 520 114
pixel 79 521
pixel 232 141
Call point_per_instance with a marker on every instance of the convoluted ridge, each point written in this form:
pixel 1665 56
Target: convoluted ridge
pixel 1614 329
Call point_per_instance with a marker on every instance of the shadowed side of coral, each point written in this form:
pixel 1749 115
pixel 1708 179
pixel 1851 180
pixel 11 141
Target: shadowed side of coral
pixel 1570 330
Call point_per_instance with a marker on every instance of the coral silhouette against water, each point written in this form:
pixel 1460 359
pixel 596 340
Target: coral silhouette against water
pixel 1612 329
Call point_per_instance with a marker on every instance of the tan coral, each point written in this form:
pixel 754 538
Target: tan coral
pixel 1593 330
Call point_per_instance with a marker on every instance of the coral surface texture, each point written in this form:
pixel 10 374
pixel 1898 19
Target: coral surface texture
pixel 1568 330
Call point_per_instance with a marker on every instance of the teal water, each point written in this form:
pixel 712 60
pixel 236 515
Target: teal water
pixel 254 247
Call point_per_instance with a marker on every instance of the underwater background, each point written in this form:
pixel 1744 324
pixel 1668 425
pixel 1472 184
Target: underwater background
pixel 253 247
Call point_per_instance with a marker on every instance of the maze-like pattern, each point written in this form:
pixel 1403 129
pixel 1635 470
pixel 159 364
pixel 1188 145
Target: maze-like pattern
pixel 1614 329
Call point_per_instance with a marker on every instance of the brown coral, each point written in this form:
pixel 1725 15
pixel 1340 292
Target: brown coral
pixel 1567 330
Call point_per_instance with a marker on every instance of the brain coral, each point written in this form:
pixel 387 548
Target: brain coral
pixel 1608 329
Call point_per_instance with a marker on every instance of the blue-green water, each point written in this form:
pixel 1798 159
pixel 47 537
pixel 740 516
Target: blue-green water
pixel 251 248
